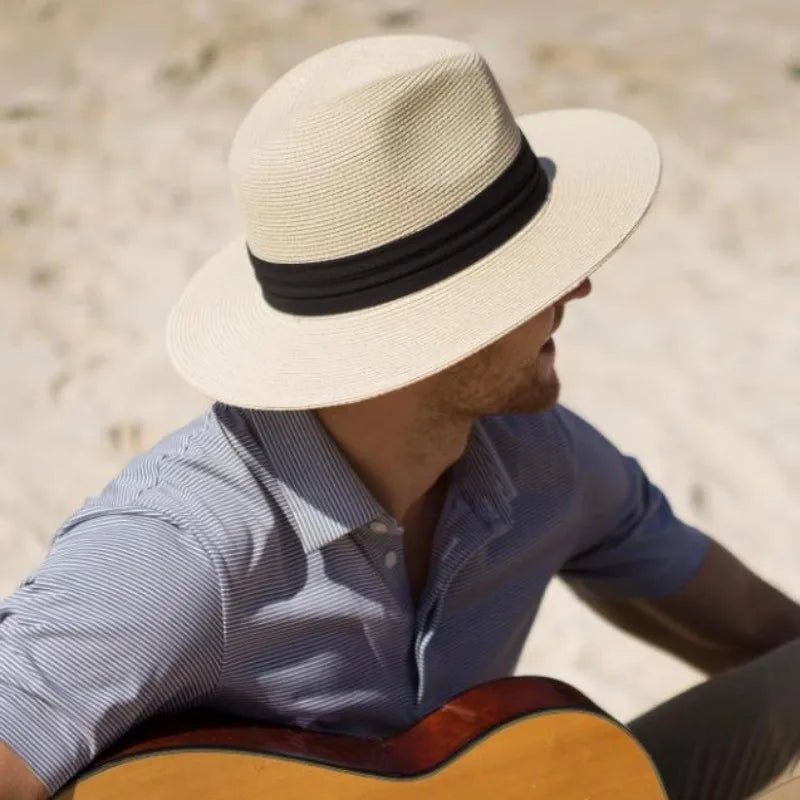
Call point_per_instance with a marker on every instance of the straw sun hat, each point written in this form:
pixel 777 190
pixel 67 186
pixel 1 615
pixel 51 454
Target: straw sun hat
pixel 398 218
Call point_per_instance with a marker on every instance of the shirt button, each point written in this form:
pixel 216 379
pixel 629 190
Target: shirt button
pixel 378 527
pixel 390 559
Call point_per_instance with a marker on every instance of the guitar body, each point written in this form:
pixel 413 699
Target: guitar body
pixel 511 739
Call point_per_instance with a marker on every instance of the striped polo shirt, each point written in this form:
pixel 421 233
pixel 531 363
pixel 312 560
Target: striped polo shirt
pixel 243 566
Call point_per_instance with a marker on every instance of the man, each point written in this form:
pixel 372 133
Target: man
pixel 365 521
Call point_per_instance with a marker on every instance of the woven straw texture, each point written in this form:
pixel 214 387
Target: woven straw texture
pixel 370 141
pixel 365 143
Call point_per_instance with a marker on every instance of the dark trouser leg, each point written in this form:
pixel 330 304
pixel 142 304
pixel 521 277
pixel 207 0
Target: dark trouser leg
pixel 735 736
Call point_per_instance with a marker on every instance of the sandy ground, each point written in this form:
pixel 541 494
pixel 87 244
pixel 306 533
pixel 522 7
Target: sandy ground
pixel 116 121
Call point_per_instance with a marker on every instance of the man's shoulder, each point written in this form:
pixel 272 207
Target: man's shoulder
pixel 532 445
pixel 558 426
pixel 197 475
pixel 558 440
pixel 550 429
pixel 172 460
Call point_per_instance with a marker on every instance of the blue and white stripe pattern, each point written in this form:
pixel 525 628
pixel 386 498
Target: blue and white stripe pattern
pixel 242 565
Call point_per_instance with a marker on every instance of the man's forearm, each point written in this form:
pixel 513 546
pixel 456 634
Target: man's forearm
pixel 710 654
pixel 17 781
pixel 725 616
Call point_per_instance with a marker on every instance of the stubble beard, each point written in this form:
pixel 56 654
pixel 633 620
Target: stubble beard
pixel 539 395
pixel 539 392
pixel 458 401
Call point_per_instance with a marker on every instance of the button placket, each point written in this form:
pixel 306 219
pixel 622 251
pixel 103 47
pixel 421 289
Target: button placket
pixel 382 545
pixel 456 556
pixel 377 526
pixel 429 609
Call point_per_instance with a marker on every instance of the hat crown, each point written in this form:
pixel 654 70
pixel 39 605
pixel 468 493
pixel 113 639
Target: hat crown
pixel 365 143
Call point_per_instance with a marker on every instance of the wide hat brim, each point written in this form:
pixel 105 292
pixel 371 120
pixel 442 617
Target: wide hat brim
pixel 227 342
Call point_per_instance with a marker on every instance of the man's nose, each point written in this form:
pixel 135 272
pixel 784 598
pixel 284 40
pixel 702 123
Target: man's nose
pixel 583 289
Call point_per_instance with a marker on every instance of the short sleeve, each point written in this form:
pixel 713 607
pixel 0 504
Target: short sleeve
pixel 121 620
pixel 631 543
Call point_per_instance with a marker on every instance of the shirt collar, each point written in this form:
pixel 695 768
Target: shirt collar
pixel 326 499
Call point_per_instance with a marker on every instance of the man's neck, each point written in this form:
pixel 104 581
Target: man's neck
pixel 400 454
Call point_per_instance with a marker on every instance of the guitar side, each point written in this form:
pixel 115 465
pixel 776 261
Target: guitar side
pixel 531 738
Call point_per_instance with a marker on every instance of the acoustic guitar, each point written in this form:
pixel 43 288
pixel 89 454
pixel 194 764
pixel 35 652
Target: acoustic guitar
pixel 510 739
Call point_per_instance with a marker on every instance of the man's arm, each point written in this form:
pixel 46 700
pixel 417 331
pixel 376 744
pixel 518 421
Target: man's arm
pixel 121 588
pixel 725 615
pixel 17 781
